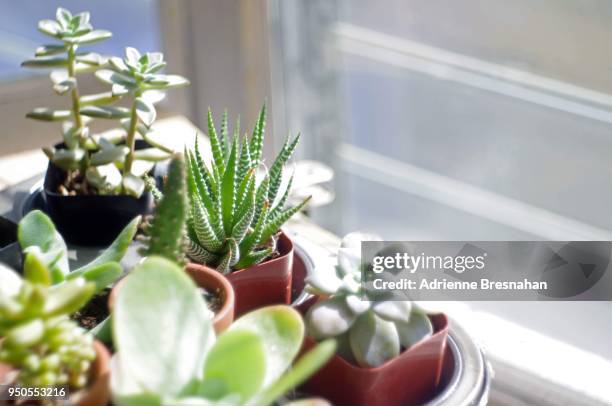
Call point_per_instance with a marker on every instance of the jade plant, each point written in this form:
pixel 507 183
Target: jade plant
pixel 135 76
pixel 167 352
pixel 234 218
pixel 369 330
pixel 38 238
pixel 165 231
pixel 39 341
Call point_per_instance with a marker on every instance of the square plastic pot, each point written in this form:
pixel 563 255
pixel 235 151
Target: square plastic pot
pixel 408 379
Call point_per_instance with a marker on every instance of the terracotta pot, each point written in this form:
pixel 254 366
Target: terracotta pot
pixel 266 283
pixel 97 393
pixel 409 379
pixel 210 280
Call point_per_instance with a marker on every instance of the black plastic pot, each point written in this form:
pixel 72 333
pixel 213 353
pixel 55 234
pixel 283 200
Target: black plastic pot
pixel 91 220
pixel 10 253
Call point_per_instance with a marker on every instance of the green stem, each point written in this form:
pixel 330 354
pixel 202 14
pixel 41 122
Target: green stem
pixel 76 105
pixel 131 138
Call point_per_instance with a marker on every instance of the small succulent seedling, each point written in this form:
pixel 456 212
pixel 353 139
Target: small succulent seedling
pixel 369 331
pixel 136 76
pixel 37 236
pixel 165 231
pixel 167 352
pixel 233 219
pixel 39 340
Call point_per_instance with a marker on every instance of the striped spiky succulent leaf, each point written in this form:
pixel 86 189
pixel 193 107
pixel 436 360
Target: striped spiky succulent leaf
pixel 234 218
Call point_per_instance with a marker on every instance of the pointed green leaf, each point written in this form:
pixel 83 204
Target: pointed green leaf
pixel 275 224
pixel 228 190
pixel 35 271
pixel 49 27
pixel 47 114
pixel 48 50
pixel 108 112
pixel 45 62
pixel 68 297
pixel 93 36
pixel 99 99
pixel 151 154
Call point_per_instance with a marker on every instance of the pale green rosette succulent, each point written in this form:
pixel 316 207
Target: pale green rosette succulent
pixel 369 331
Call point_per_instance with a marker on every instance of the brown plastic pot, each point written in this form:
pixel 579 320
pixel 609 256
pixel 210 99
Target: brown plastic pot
pixel 264 284
pixel 97 393
pixel 408 379
pixel 210 280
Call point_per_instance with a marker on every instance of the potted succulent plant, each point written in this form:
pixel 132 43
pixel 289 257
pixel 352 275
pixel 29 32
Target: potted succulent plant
pixel 40 344
pixel 234 223
pixel 389 352
pixel 37 236
pixel 165 237
pixel 94 181
pixel 183 363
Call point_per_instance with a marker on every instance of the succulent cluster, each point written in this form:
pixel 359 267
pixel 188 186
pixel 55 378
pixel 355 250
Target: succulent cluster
pixel 370 331
pixel 40 341
pixel 165 231
pixel 105 163
pixel 234 219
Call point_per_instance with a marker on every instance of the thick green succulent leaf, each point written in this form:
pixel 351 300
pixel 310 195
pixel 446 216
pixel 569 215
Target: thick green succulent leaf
pixel 25 335
pixel 373 340
pixel 108 155
pixel 275 224
pixel 276 171
pixel 228 190
pixel 417 329
pixel 35 270
pixel 217 153
pixel 224 139
pixel 45 62
pixel 68 297
pixel 133 185
pixel 329 318
pixel 10 282
pixel 49 27
pixel 261 198
pixel 197 184
pixel 145 110
pixel 63 16
pixel 281 330
pixel 280 206
pixel 243 222
pixel 393 310
pixel 357 305
pixel 92 37
pixel 324 280
pixel 48 50
pixel 307 365
pixel 206 235
pixel 253 258
pixel 116 251
pixel 47 114
pixel 105 178
pixel 153 360
pixel 237 362
pixel 245 159
pixel 253 237
pixel 108 112
pixel 167 82
pixel 37 230
pixel 199 253
pixel 99 99
pixel 103 275
pixel 151 155
pixel 68 158
pixel 256 146
pixel 115 78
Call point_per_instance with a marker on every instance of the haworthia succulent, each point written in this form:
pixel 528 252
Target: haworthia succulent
pixel 233 217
